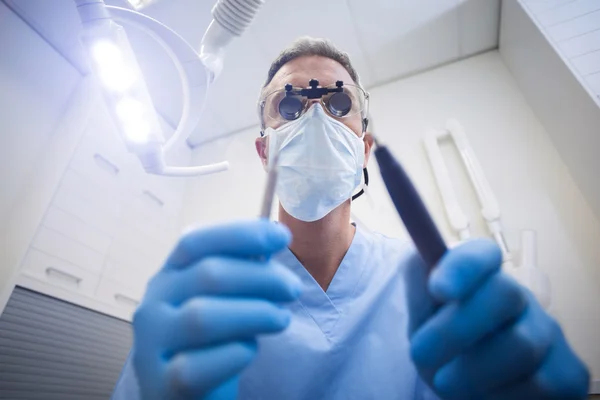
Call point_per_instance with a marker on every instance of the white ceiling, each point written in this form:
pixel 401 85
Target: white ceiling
pixel 385 39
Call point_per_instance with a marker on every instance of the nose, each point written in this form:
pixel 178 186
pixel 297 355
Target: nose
pixel 312 102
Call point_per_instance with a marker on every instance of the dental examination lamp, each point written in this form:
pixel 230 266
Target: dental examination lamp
pixel 114 64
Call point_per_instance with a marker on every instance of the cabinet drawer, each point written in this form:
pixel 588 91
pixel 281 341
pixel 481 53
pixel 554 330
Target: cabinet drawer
pixel 58 272
pixel 115 294
pixel 99 166
pixel 165 189
pixel 130 256
pixel 107 140
pixel 140 241
pixel 58 245
pixel 146 229
pixel 76 229
pixel 102 198
pixel 126 275
pixel 85 211
pixel 110 153
pixel 140 215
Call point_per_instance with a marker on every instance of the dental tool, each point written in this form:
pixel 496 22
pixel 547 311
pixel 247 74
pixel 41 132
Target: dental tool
pixel 410 207
pixel 269 194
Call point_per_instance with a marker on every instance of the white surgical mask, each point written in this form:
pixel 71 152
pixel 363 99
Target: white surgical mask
pixel 320 164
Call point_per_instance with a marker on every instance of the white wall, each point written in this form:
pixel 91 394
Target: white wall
pixel 573 28
pixel 532 184
pixel 555 90
pixel 37 137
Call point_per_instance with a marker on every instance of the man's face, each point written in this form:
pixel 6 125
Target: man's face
pixel 298 72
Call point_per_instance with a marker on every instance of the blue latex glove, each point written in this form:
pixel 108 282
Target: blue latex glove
pixel 477 334
pixel 195 329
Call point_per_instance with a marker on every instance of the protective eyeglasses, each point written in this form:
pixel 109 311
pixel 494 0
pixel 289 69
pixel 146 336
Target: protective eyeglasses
pixel 290 103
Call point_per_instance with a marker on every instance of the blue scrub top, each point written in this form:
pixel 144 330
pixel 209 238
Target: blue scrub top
pixel 350 342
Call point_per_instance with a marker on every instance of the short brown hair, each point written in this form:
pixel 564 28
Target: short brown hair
pixel 308 46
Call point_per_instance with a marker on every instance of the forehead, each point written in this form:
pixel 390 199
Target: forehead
pixel 302 69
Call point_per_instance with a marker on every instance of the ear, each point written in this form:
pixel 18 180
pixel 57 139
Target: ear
pixel 368 139
pixel 261 144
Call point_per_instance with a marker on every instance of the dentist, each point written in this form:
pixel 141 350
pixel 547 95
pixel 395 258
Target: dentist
pixel 314 307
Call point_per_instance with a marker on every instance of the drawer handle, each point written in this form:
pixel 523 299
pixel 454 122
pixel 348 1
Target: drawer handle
pixel 126 300
pixel 154 198
pixel 105 164
pixel 63 276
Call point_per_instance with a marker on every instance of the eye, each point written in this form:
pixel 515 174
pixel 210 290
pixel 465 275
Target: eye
pixel 290 107
pixel 339 104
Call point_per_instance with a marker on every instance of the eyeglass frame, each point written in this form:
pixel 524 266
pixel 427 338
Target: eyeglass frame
pixel 315 91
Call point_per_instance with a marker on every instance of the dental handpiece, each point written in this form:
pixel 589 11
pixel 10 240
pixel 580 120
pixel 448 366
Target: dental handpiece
pixel 269 194
pixel 412 210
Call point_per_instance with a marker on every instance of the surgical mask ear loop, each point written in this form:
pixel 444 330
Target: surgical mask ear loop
pixel 364 186
pixel 365 124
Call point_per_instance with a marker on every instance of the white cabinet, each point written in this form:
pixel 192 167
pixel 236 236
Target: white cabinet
pixel 60 246
pixel 77 229
pixel 115 294
pixel 108 229
pixel 129 276
pixel 99 167
pixel 58 272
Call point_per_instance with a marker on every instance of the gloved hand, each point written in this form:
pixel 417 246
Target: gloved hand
pixel 477 334
pixel 195 329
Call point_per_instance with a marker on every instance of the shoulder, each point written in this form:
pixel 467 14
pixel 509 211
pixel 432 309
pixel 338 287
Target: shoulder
pixel 393 251
pixel 390 246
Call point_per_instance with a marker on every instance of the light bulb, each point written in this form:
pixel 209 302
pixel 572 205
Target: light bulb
pixel 129 108
pixel 137 131
pixel 117 79
pixel 133 119
pixel 112 68
pixel 106 53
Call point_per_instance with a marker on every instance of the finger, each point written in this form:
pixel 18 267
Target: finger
pixel 462 269
pixel 500 359
pixel 242 239
pixel 457 326
pixel 562 376
pixel 194 374
pixel 149 324
pixel 224 276
pixel 420 303
pixel 228 390
pixel 210 320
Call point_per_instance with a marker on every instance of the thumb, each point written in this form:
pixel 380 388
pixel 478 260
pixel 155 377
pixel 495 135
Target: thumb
pixel 227 391
pixel 421 305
